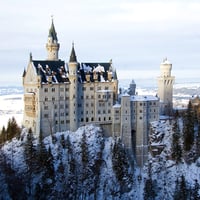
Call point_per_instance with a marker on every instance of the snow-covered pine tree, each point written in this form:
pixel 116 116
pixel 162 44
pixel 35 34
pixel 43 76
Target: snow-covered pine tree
pixel 195 191
pixel 29 154
pixel 121 166
pixel 149 186
pixel 176 151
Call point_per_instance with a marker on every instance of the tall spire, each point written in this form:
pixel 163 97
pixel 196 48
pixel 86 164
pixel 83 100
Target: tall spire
pixel 52 45
pixel 73 55
pixel 52 31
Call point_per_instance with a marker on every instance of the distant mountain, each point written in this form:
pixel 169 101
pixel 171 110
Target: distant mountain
pixel 6 90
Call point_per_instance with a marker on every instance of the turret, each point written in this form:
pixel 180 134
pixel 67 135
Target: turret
pixel 73 68
pixel 52 45
pixel 165 88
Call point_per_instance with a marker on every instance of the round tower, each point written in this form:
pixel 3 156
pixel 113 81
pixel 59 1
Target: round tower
pixel 52 45
pixel 73 90
pixel 165 88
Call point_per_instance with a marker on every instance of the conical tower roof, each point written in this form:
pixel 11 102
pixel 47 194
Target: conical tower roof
pixel 52 32
pixel 73 55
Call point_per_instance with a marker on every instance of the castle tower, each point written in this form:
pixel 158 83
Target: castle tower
pixel 132 88
pixel 52 45
pixel 165 88
pixel 73 90
pixel 126 122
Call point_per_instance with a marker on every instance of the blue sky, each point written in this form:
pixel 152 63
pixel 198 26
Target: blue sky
pixel 137 35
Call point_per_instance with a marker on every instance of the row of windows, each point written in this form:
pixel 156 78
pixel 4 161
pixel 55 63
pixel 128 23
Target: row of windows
pixel 150 103
pixel 62 98
pixel 99 119
pixel 82 119
pixel 54 89
pixel 98 88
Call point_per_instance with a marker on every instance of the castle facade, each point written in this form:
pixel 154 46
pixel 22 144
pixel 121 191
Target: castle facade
pixel 60 96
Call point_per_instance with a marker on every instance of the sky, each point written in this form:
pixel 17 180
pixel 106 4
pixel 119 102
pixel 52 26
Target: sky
pixel 136 34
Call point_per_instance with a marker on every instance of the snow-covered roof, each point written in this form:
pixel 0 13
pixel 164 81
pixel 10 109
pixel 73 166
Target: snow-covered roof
pixel 117 105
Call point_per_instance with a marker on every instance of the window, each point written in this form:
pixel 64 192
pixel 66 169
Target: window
pixel 61 98
pixel 99 96
pixel 99 88
pixel 91 88
pixel 62 89
pixel 45 89
pixel 55 106
pixel 53 89
pixel 46 115
pixel 99 112
pixel 45 107
pixel 140 104
pixel 92 97
pixel 66 89
pixel 53 98
pixel 140 111
pixel 46 99
pixel 106 88
pixel 61 106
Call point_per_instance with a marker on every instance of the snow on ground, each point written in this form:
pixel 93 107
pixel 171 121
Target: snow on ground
pixel 164 170
pixel 11 106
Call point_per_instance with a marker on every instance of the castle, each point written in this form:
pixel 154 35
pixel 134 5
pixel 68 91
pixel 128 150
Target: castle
pixel 60 96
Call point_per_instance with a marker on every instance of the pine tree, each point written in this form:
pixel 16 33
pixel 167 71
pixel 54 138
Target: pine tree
pixel 120 166
pixel 188 129
pixel 29 154
pixel 197 144
pixel 84 149
pixel 195 192
pixel 176 147
pixel 13 129
pixel 183 189
pixel 149 187
pixel 3 135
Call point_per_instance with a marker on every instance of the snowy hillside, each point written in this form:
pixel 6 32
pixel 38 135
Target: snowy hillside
pixel 73 165
pixel 86 165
